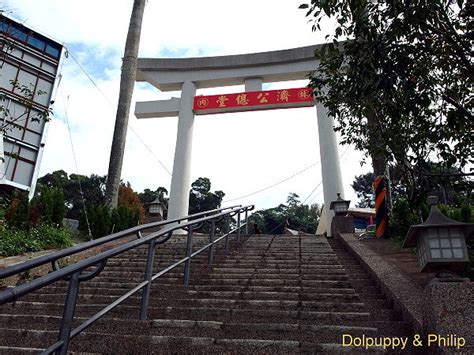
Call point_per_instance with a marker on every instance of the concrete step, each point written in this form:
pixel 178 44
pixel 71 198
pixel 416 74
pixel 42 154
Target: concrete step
pixel 51 322
pixel 109 342
pixel 99 297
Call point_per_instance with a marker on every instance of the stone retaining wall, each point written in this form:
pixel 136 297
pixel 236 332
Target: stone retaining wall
pixel 441 308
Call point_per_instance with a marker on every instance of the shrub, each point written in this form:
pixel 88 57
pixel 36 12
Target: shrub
pixel 104 221
pixel 401 220
pixel 50 206
pixel 18 213
pixel 15 241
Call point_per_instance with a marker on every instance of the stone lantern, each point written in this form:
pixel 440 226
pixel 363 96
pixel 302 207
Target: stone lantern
pixel 341 223
pixel 440 241
pixel 155 208
pixel 339 206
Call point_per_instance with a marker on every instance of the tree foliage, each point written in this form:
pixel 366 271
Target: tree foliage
pixel 293 215
pixel 88 192
pixel 92 188
pixel 416 188
pixel 397 76
pixel 130 199
pixel 201 198
pixel 148 195
pixel 47 208
pixel 362 185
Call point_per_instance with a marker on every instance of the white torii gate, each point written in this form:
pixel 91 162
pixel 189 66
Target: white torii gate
pixel 190 74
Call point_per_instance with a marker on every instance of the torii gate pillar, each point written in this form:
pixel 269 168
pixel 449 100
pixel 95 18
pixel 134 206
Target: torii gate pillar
pixel 181 178
pixel 330 166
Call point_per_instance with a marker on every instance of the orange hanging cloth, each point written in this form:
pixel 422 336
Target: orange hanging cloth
pixel 381 217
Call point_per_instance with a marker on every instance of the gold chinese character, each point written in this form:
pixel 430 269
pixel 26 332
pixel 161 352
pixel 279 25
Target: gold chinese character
pixel 283 95
pixel 304 94
pixel 221 100
pixel 262 97
pixel 242 99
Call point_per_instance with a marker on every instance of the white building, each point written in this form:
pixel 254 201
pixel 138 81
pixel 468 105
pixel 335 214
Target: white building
pixel 30 60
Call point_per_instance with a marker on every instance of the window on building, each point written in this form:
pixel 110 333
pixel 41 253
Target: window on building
pixel 36 42
pixel 53 50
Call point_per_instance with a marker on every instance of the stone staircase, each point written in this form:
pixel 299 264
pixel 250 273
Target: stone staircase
pixel 268 294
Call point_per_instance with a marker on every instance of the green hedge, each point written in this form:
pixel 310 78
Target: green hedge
pixel 104 221
pixel 14 241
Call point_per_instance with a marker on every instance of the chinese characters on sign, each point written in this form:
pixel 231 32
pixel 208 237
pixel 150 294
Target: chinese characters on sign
pixel 255 100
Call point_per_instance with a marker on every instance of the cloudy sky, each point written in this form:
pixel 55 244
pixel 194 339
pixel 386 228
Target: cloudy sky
pixel 274 152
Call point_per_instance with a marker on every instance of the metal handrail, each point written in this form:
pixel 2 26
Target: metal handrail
pixel 73 273
pixel 55 256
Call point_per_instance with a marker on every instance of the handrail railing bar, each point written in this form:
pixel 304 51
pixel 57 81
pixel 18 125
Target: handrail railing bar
pixel 183 260
pixel 107 309
pixel 90 275
pixel 189 249
pixel 238 227
pixel 210 253
pixel 246 222
pixel 209 244
pixel 45 280
pixel 15 269
pixel 169 268
pixel 148 274
pixel 97 316
pixel 52 348
pixel 68 312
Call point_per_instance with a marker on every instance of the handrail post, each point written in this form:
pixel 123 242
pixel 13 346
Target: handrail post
pixel 238 226
pixel 227 232
pixel 148 275
pixel 210 253
pixel 246 222
pixel 189 249
pixel 68 313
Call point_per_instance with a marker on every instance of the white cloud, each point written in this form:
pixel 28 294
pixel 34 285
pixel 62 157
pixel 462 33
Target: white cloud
pixel 240 153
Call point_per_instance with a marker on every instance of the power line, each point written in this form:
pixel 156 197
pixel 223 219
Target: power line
pixel 77 169
pixel 113 106
pixel 286 179
pixel 319 184
pixel 312 192
pixel 272 185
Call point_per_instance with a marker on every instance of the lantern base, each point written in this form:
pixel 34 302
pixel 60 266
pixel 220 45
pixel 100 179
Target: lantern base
pixel 449 276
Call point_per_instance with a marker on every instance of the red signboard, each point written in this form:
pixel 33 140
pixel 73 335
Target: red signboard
pixel 254 100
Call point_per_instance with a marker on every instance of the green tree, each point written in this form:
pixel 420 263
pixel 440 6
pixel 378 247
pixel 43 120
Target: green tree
pixel 362 185
pixel 148 195
pixel 201 198
pixel 18 213
pixel 294 215
pixel 397 76
pixel 79 190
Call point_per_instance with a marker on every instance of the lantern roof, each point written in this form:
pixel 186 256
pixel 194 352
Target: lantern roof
pixel 435 220
pixel 156 201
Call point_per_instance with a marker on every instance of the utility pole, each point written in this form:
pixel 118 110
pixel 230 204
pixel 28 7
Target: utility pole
pixel 127 82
